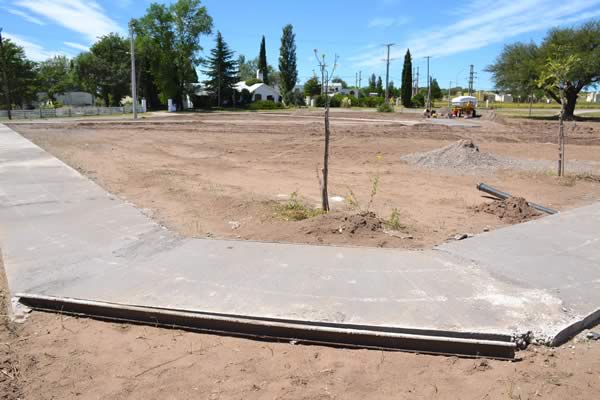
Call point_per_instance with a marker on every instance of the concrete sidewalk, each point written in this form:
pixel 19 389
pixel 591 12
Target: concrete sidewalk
pixel 63 236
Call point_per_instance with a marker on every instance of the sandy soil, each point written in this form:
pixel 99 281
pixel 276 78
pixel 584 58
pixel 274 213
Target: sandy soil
pixel 224 175
pixel 196 177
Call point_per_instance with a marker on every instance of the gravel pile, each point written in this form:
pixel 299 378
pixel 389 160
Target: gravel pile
pixel 463 155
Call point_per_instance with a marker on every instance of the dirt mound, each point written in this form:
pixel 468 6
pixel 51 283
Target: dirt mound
pixel 512 210
pixel 338 223
pixel 463 154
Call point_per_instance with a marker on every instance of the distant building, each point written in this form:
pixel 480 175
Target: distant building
pixel 73 99
pixel 259 91
pixel 593 97
pixel 503 98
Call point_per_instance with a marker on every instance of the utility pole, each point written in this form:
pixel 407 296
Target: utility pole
pixel 387 73
pixel 4 79
pixel 416 83
pixel 471 76
pixel 359 84
pixel 428 85
pixel 133 80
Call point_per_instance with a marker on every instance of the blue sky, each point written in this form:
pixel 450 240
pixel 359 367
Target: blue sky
pixel 472 32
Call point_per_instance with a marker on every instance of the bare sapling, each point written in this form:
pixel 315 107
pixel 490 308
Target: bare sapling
pixel 325 78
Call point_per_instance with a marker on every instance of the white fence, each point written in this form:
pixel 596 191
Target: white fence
pixel 65 112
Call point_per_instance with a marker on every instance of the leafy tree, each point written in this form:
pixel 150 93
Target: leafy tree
pixel 407 81
pixel 436 92
pixel 520 65
pixel 105 69
pixel 287 60
pixel 55 76
pixel 170 35
pixel 556 76
pixel 20 76
pixel 221 71
pixel 262 61
pixel 337 79
pixel 379 88
pixel 312 87
pixel 247 68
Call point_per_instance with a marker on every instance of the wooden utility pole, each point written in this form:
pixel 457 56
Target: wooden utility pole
pixel 387 73
pixel 4 78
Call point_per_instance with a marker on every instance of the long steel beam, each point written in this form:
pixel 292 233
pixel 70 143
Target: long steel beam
pixel 333 334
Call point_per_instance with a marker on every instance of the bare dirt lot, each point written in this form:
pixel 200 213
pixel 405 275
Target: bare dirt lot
pixel 230 176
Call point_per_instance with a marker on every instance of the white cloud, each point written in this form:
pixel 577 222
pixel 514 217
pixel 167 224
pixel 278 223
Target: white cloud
pixel 383 22
pixel 85 17
pixel 77 46
pixel 490 25
pixel 33 51
pixel 26 16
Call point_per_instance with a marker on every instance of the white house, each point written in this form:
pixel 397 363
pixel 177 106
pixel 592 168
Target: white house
pixel 259 91
pixel 504 98
pixel 593 97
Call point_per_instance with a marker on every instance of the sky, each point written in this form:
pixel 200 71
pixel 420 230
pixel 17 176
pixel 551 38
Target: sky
pixel 471 32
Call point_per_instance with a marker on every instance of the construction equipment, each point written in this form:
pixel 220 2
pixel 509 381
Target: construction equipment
pixel 464 106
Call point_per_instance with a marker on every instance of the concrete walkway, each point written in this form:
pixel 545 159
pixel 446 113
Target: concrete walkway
pixel 63 236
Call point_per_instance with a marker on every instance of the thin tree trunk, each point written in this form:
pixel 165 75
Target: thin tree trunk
pixel 530 103
pixel 561 140
pixel 324 192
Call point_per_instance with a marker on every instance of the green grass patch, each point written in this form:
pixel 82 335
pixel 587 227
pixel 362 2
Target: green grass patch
pixel 296 210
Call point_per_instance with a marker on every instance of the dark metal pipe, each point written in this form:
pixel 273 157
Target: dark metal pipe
pixel 503 196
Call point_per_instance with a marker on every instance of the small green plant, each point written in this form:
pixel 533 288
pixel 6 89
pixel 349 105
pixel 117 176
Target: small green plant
pixel 393 222
pixel 346 102
pixel 295 210
pixel 385 107
pixel 351 198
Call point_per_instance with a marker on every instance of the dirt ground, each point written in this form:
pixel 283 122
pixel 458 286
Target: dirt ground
pixel 226 175
pixel 198 175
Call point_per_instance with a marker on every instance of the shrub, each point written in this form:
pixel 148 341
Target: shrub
pixel 265 105
pixel 385 107
pixel 296 210
pixel 346 102
pixel 245 96
pixel 418 100
pixel 371 101
pixel 294 98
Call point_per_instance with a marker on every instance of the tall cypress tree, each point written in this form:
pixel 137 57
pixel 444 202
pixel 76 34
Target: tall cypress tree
pixel 407 81
pixel 379 86
pixel 221 72
pixel 287 61
pixel 372 83
pixel 262 61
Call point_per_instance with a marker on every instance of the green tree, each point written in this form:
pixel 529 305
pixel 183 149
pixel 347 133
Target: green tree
pixel 221 71
pixel 379 87
pixel 436 91
pixel 247 68
pixel 556 76
pixel 20 76
pixel 287 61
pixel 407 81
pixel 170 36
pixel 520 65
pixel 372 83
pixel 105 70
pixel 55 76
pixel 312 87
pixel 263 66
